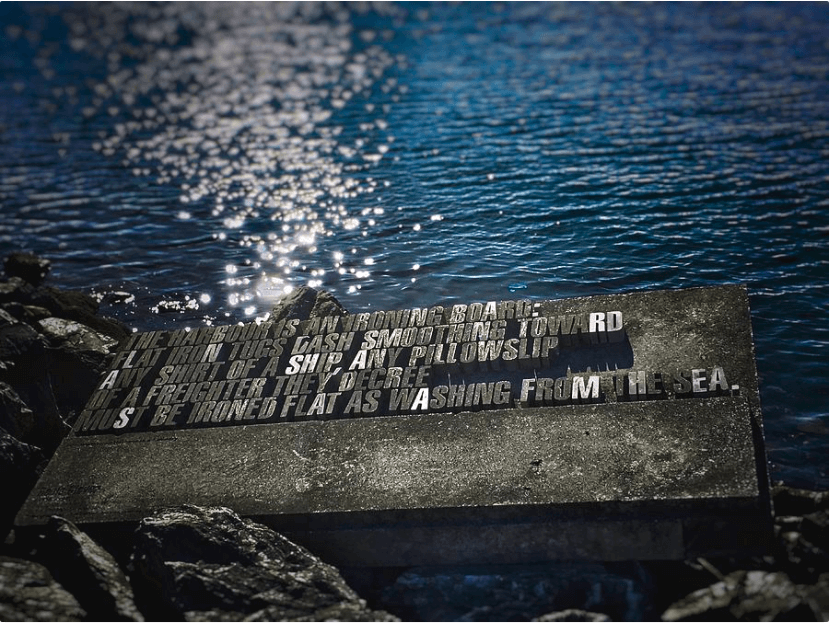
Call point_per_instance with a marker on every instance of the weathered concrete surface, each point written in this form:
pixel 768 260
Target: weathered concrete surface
pixel 656 479
pixel 416 487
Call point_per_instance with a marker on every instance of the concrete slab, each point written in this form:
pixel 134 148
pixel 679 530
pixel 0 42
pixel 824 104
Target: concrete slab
pixel 637 435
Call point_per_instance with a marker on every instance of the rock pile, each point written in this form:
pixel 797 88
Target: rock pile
pixel 53 347
pixel 205 564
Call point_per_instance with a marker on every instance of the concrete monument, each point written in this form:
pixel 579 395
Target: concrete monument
pixel 608 427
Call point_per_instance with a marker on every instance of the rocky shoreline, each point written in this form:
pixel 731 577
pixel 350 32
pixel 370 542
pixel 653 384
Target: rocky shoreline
pixel 206 564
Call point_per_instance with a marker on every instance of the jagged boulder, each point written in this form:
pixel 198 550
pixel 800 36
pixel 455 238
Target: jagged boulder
pixel 89 572
pixel 30 314
pixel 29 593
pixel 73 305
pixel 752 596
pixel 24 365
pixel 20 467
pixel 77 357
pixel 306 303
pixel 209 564
pixel 15 290
pixel 16 418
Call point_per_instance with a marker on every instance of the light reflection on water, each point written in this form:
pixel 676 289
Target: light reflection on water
pixel 205 158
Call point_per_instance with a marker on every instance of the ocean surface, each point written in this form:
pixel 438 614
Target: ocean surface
pixel 190 164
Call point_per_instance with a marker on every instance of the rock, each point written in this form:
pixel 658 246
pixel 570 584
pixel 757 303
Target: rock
pixel 27 266
pixel 16 418
pixel 748 596
pixel 29 593
pixel 305 303
pixel 73 305
pixel 208 564
pixel 25 364
pixel 29 314
pixel 573 615
pixel 797 556
pixel 20 467
pixel 814 528
pixel 15 290
pixel 18 341
pixel 789 501
pixel 801 529
pixel 77 358
pixel 89 572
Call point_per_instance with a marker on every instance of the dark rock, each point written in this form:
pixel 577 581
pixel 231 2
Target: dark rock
pixel 69 304
pixel 798 557
pixel 89 572
pixel 305 303
pixel 815 597
pixel 77 357
pixel 29 314
pixel 573 615
pixel 18 341
pixel 24 366
pixel 16 290
pixel 208 564
pixel 73 305
pixel 748 596
pixel 20 467
pixel 789 501
pixel 27 266
pixel 29 593
pixel 16 418
pixel 814 528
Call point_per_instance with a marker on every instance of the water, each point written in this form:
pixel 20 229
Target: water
pixel 207 158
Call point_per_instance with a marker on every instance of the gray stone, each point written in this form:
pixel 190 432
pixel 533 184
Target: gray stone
pixel 89 572
pixel 78 356
pixel 78 306
pixel 27 266
pixel 29 593
pixel 791 501
pixel 20 466
pixel 16 290
pixel 209 564
pixel 23 353
pixel 749 596
pixel 305 303
pixel 30 314
pixel 16 418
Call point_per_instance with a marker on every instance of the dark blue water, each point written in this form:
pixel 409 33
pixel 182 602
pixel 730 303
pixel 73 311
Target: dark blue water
pixel 207 158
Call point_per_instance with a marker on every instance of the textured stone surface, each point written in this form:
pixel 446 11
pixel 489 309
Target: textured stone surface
pixel 20 466
pixel 208 564
pixel 305 303
pixel 77 357
pixel 16 418
pixel 25 362
pixel 29 593
pixel 89 572
pixel 73 305
pixel 751 596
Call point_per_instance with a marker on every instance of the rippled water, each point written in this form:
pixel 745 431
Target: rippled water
pixel 206 158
